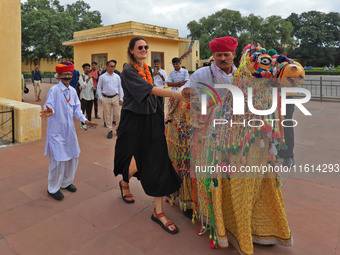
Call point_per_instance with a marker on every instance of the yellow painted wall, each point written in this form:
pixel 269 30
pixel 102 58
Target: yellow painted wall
pixel 27 121
pixel 45 65
pixel 10 48
pixel 116 48
pixel 194 57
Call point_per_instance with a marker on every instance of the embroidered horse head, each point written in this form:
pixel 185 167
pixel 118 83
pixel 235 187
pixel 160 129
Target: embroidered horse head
pixel 259 63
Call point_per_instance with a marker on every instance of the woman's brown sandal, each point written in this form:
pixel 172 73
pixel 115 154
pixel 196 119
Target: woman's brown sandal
pixel 155 217
pixel 128 198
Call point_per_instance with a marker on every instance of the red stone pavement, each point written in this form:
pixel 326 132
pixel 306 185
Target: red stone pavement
pixel 95 220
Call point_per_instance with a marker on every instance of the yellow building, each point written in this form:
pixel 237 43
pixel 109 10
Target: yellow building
pixel 190 55
pixel 27 123
pixel 45 65
pixel 111 42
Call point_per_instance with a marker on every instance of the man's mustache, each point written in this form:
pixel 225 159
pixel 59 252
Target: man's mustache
pixel 224 62
pixel 66 79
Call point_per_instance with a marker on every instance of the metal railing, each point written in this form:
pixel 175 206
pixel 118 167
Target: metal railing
pixel 6 131
pixel 46 77
pixel 323 89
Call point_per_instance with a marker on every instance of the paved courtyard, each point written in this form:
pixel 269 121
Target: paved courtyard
pixel 95 220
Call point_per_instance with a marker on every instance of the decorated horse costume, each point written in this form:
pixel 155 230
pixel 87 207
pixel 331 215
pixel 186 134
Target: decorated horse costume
pixel 236 207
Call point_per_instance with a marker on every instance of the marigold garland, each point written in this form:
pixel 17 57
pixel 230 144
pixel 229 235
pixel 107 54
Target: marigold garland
pixel 147 75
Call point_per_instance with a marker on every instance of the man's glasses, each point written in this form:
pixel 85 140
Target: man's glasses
pixel 112 66
pixel 146 47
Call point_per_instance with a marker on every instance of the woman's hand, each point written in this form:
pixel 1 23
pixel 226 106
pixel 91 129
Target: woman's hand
pixel 179 95
pixel 189 93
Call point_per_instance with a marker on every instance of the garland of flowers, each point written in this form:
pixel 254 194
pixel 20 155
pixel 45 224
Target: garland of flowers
pixel 147 75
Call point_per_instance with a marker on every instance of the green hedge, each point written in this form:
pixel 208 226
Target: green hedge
pixel 322 72
pixel 43 75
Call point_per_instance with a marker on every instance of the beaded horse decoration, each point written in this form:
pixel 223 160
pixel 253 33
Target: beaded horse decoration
pixel 177 130
pixel 231 147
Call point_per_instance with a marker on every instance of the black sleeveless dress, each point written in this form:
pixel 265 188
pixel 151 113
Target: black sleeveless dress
pixel 141 134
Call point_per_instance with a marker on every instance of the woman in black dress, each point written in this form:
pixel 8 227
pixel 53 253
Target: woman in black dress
pixel 141 148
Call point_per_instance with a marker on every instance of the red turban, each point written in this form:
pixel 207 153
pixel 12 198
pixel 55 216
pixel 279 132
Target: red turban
pixel 65 66
pixel 223 44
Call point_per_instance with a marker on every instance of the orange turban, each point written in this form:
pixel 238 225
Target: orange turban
pixel 223 44
pixel 65 66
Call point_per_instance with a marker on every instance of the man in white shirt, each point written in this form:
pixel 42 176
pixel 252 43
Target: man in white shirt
pixel 62 146
pixel 179 76
pixel 110 92
pixel 159 77
pixel 86 93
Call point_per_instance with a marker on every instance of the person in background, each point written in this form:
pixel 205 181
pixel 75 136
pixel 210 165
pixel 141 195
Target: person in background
pixel 36 80
pixel 111 94
pixel 116 72
pixel 288 154
pixel 95 77
pixel 75 77
pixel 23 87
pixel 177 77
pixel 159 77
pixel 86 93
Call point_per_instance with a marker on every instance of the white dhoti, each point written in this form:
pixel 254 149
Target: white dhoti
pixel 61 173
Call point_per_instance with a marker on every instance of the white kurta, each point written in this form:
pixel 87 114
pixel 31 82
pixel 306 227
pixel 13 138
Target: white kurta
pixel 61 137
pixel 205 75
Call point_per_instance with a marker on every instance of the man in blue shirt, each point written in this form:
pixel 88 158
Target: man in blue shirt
pixel 75 77
pixel 36 80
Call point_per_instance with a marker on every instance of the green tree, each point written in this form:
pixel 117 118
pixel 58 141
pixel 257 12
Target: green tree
pixel 275 31
pixel 317 37
pixel 46 24
pixel 221 23
pixel 269 32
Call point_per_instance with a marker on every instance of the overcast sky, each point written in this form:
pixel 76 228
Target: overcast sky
pixel 177 14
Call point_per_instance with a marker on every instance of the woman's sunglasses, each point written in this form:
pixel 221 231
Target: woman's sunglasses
pixel 146 47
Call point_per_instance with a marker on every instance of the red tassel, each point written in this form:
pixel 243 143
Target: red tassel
pixel 276 134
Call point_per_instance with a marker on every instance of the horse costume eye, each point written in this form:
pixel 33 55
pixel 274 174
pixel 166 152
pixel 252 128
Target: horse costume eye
pixel 265 61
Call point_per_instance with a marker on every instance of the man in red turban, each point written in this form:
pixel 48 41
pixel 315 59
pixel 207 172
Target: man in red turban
pixel 221 71
pixel 223 50
pixel 222 68
pixel 62 146
pixel 65 66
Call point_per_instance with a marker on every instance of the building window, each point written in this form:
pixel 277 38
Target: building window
pixel 101 60
pixel 157 55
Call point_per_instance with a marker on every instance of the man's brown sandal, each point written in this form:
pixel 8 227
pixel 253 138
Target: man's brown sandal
pixel 155 217
pixel 128 198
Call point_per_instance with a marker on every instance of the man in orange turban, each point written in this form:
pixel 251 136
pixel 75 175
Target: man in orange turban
pixel 62 146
